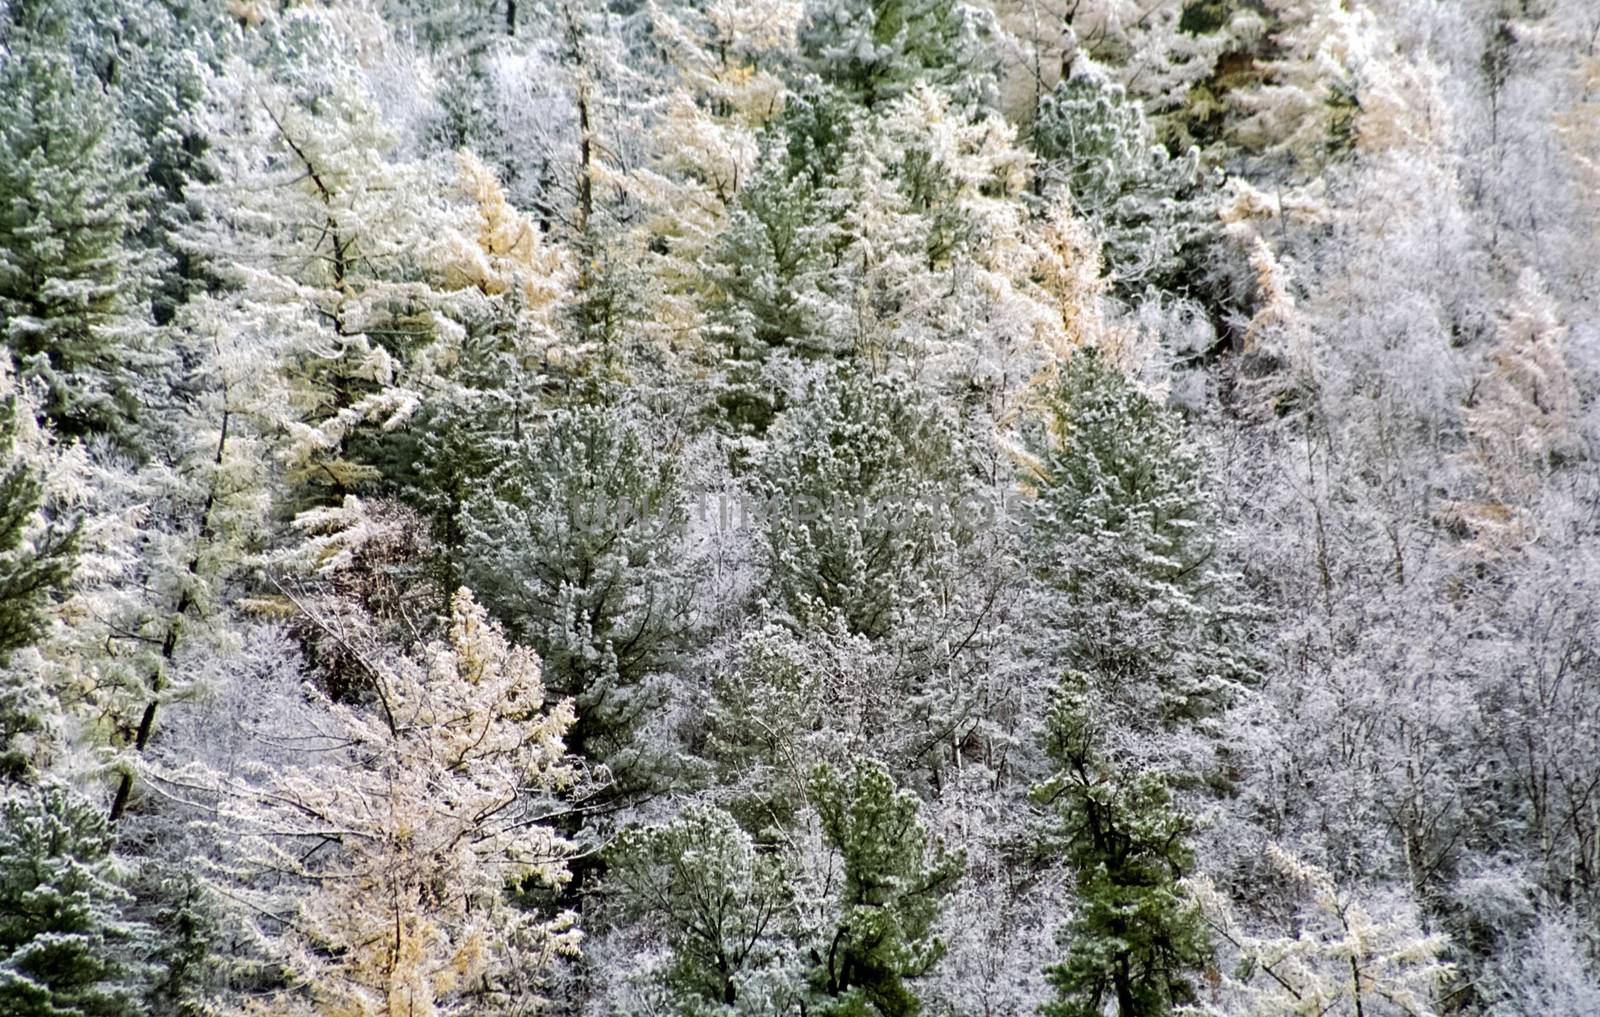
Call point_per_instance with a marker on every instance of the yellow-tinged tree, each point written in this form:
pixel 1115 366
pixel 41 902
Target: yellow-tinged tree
pixel 1348 955
pixel 706 143
pixel 378 872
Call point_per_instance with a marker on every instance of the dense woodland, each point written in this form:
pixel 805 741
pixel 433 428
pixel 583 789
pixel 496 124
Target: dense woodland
pixel 800 508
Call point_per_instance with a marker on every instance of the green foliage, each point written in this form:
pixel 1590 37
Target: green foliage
pixel 774 300
pixel 1151 212
pixel 768 268
pixel 717 902
pixel 73 286
pixel 575 542
pixel 895 877
pixel 1119 529
pixel 1132 937
pixel 65 948
pixel 876 49
pixel 184 926
pixel 36 556
pixel 497 393
pixel 864 485
pixel 766 706
pixel 151 59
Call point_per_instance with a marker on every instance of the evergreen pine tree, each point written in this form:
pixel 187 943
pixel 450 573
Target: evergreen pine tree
pixel 74 285
pixel 65 948
pixel 1149 208
pixel 1118 533
pixel 37 556
pixel 895 875
pixel 575 543
pixel 718 902
pixel 1133 938
pixel 876 49
pixel 863 487
pixel 35 552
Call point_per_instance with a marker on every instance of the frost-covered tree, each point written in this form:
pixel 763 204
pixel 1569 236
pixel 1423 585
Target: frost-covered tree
pixel 863 489
pixel 67 948
pixel 769 719
pixel 1520 413
pixel 330 240
pixel 1133 939
pixel 36 549
pixel 1343 959
pixel 1148 206
pixel 876 49
pixel 74 280
pixel 377 874
pixel 720 903
pixel 576 543
pixel 725 61
pixel 1118 527
pixel 772 303
pixel 891 878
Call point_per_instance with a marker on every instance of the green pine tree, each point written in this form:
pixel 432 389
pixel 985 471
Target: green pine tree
pixel 65 948
pixel 1151 212
pixel 575 543
pixel 862 487
pixel 876 49
pixel 717 901
pixel 74 287
pixel 895 876
pixel 1133 938
pixel 1119 533
pixel 37 556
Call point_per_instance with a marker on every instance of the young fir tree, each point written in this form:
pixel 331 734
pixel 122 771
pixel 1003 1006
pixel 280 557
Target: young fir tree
pixel 879 936
pixel 74 284
pixel 1133 938
pixel 66 949
pixel 575 540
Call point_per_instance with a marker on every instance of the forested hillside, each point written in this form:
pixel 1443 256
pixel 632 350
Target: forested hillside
pixel 800 508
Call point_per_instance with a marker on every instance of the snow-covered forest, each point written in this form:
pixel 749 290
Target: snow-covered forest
pixel 800 508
